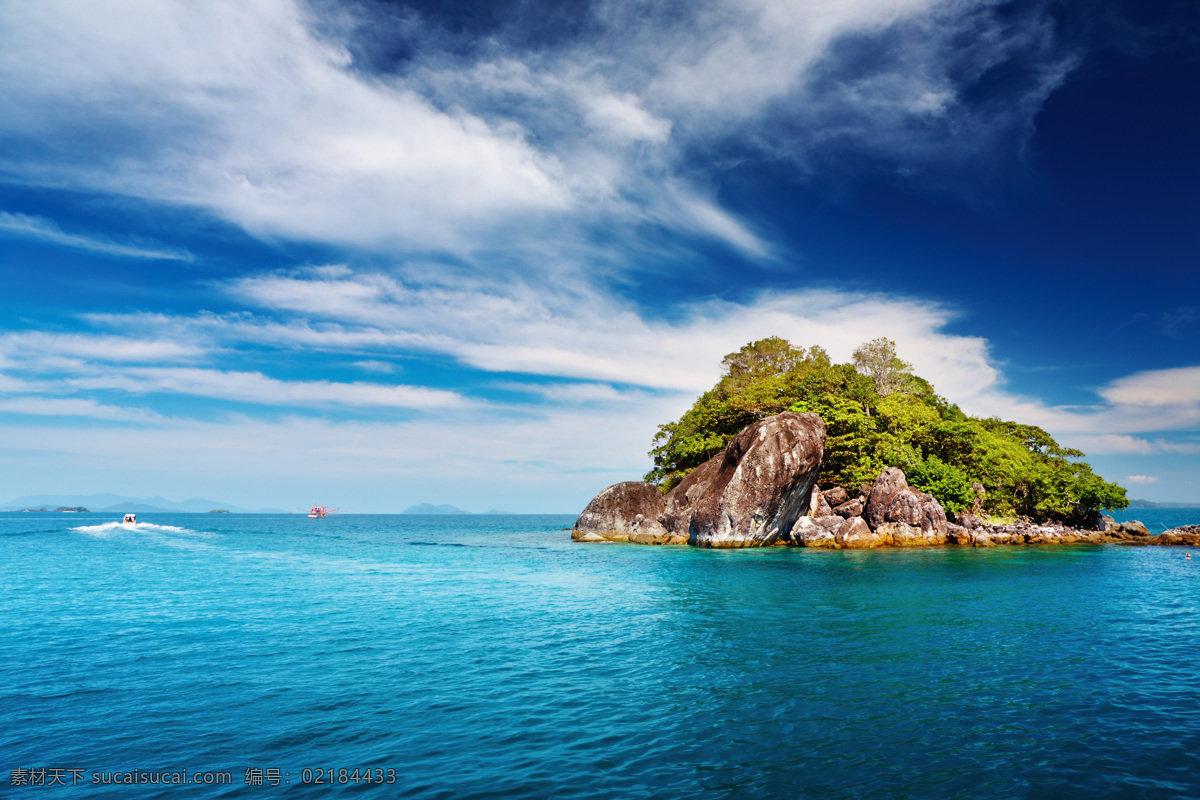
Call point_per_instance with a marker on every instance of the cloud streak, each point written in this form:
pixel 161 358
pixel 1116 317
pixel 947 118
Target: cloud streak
pixel 586 336
pixel 30 227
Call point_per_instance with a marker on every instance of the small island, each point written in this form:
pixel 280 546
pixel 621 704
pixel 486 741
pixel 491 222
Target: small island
pixel 71 509
pixel 219 511
pixel 902 467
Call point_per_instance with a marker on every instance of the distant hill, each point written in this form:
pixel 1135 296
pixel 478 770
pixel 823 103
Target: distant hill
pixel 430 508
pixel 119 503
pixel 1149 504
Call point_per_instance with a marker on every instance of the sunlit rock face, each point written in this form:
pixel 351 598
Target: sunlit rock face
pixel 752 494
pixel 626 512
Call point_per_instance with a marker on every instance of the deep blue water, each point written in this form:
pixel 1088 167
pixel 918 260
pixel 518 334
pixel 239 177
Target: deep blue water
pixel 491 657
pixel 1158 520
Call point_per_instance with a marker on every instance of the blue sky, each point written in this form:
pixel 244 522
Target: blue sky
pixel 372 254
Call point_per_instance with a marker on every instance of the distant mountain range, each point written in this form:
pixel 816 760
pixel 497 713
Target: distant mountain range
pixel 119 504
pixel 1149 504
pixel 430 508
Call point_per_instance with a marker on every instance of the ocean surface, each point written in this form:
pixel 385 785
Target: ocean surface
pixel 473 657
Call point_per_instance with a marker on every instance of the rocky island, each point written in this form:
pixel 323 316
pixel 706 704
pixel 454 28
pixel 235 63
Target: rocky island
pixel 762 492
pixel 760 489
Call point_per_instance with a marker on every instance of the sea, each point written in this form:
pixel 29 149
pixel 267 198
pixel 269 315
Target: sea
pixel 223 655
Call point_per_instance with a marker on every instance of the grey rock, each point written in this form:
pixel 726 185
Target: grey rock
pixel 968 520
pixel 830 522
pixel 751 494
pixel 622 512
pixel 1135 528
pixel 957 534
pixel 807 533
pixel 818 506
pixel 853 508
pixel 894 510
pixel 855 534
pixel 835 496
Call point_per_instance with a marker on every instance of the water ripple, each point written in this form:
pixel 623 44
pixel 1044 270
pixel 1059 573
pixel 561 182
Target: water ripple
pixel 494 658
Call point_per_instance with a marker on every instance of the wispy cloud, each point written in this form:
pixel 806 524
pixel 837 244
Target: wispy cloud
pixel 254 387
pixel 279 130
pixel 46 230
pixel 76 407
pixel 601 376
pixel 44 349
pixel 1141 479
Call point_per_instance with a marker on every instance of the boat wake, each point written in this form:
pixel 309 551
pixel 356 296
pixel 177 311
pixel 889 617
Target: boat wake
pixel 107 528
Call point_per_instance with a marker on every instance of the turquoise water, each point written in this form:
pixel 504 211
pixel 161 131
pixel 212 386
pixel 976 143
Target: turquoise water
pixel 491 657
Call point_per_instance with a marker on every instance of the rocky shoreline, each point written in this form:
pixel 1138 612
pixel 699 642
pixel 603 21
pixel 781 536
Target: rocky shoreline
pixel 761 492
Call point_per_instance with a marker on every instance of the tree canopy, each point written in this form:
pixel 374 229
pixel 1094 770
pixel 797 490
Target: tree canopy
pixel 878 414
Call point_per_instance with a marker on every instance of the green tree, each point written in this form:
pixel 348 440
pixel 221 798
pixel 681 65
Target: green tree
pixel 851 436
pixel 877 358
pixel 949 484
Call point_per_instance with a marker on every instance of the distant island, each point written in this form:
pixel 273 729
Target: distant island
pixel 430 508
pixel 45 510
pixel 1149 504
pixel 120 504
pixel 60 509
pixel 219 511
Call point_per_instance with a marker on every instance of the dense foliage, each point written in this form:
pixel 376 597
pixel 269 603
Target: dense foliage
pixel 878 414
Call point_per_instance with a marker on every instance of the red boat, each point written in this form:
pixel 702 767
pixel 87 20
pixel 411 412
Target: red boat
pixel 319 512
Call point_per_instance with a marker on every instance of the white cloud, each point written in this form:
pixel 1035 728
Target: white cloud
pixel 254 387
pixel 588 336
pixel 624 118
pixel 552 460
pixel 607 375
pixel 572 333
pixel 374 365
pixel 244 110
pixel 583 334
pixel 43 350
pixel 39 228
pixel 241 109
pixel 1141 479
pixel 75 407
pixel 1126 444
pixel 1156 388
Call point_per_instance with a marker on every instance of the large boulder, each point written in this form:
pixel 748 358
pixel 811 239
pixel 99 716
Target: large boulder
pixel 808 532
pixel 1135 528
pixel 626 512
pixel 751 494
pixel 907 517
pixel 957 534
pixel 852 508
pixel 818 506
pixel 855 534
pixel 835 496
pixel 1096 521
